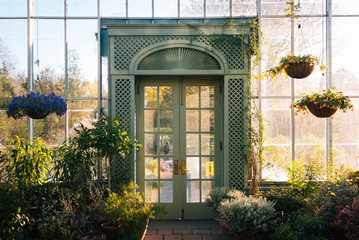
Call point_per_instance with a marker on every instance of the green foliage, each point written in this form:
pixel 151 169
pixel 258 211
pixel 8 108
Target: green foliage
pixel 27 162
pixel 308 226
pixel 16 227
pixel 284 231
pixel 247 213
pixel 217 195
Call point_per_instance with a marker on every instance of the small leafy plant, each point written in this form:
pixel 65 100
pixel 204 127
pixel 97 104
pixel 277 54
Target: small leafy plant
pixel 217 195
pixel 37 103
pixel 330 98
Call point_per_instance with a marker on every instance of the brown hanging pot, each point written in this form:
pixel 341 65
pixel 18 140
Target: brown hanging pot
pixel 299 70
pixel 323 112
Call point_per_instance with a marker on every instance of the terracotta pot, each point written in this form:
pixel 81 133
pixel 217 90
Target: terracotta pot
pixel 35 115
pixel 224 229
pixel 144 229
pixel 299 70
pixel 92 236
pixel 110 230
pixel 245 235
pixel 321 112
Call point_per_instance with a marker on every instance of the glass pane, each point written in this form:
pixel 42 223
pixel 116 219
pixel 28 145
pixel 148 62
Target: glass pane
pixel 207 120
pixel 192 99
pixel 49 8
pixel 82 58
pixel 217 8
pixel 345 6
pixel 114 8
pixel 192 120
pixel 192 144
pixel 140 8
pixel 166 145
pixel 207 168
pixel 166 120
pixel 346 155
pixel 270 7
pixel 207 97
pixel 104 74
pixel 49 74
pixel 312 7
pixel 309 129
pixel 166 97
pixel 151 120
pixel 151 191
pixel 192 8
pixel 13 8
pixel 274 165
pixel 151 144
pixel 192 167
pixel 151 168
pixel 50 129
pixel 207 144
pixel 244 8
pixel 82 8
pixel 151 97
pixel 166 8
pixel 341 133
pixel 193 189
pixel 85 117
pixel 81 104
pixel 12 127
pixel 13 60
pixel 206 188
pixel 166 191
pixel 310 152
pixel 166 168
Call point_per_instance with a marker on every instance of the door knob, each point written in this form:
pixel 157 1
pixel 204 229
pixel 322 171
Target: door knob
pixel 175 167
pixel 183 167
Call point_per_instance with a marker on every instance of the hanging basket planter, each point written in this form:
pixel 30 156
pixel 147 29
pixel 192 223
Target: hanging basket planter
pixel 321 112
pixel 299 70
pixel 37 115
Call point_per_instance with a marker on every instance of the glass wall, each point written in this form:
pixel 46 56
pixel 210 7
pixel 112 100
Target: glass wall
pixel 52 46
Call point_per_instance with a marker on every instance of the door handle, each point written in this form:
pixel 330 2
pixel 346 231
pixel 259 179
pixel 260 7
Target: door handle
pixel 183 167
pixel 175 170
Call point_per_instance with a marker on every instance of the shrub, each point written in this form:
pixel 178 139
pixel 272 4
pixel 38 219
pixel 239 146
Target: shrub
pixel 307 225
pixel 247 213
pixel 284 231
pixel 349 217
pixel 217 195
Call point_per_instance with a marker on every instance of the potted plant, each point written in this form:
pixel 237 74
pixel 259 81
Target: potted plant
pixel 323 105
pixel 300 66
pixel 246 216
pixel 216 196
pixel 36 106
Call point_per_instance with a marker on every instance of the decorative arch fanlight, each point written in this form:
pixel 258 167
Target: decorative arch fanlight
pixel 179 58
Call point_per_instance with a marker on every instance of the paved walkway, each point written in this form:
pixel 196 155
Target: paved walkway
pixel 185 230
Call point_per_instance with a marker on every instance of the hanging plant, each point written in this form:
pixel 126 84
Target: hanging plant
pixel 36 106
pixel 323 105
pixel 296 66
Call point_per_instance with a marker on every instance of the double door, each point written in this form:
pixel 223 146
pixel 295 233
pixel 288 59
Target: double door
pixel 179 126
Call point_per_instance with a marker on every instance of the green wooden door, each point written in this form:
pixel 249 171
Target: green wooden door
pixel 180 129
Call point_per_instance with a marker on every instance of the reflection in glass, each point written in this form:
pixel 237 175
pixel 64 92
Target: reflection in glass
pixel 207 120
pixel 166 144
pixel 192 167
pixel 207 168
pixel 151 120
pixel 151 97
pixel 151 191
pixel 206 188
pixel 190 8
pixel 166 120
pixel 166 168
pixel 207 96
pixel 192 97
pixel 192 120
pixel 217 8
pixel 207 144
pixel 192 190
pixel 165 96
pixel 166 191
pixel 151 168
pixel 192 144
pixel 151 144
pixel 244 8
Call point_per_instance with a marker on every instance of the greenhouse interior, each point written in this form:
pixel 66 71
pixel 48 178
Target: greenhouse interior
pixel 127 113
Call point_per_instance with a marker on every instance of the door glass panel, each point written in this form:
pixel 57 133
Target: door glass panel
pixel 207 97
pixel 151 120
pixel 192 120
pixel 192 167
pixel 207 144
pixel 151 168
pixel 166 192
pixel 192 99
pixel 207 120
pixel 166 97
pixel 158 128
pixel 207 167
pixel 206 188
pixel 192 147
pixel 166 168
pixel 166 120
pixel 193 191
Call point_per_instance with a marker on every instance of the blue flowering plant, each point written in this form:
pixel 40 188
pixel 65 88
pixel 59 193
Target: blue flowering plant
pixel 36 106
